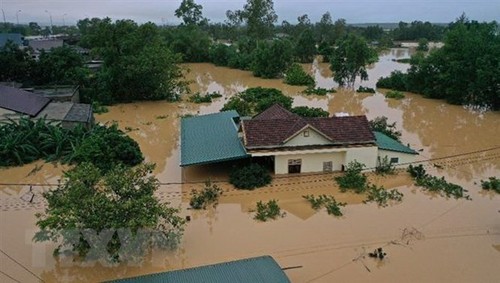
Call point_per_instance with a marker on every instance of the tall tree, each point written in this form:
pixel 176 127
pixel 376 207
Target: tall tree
pixel 259 17
pixel 305 48
pixel 349 60
pixel 190 13
pixel 113 216
pixel 325 29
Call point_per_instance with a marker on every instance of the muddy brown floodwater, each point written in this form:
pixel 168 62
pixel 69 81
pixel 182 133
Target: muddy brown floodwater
pixel 427 238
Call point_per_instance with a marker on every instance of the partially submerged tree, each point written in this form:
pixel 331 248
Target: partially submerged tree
pixel 113 216
pixel 380 124
pixel 349 60
pixel 255 100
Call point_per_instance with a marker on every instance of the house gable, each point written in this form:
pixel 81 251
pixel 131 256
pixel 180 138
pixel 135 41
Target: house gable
pixel 306 136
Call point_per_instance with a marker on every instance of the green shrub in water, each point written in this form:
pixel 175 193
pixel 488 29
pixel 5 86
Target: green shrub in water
pixel 250 177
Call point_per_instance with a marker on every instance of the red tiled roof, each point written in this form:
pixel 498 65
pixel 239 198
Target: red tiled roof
pixel 22 101
pixel 276 125
pixel 275 112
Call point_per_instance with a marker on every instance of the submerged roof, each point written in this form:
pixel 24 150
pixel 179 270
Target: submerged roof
pixel 210 138
pixel 21 101
pixel 252 270
pixel 386 143
pixel 276 125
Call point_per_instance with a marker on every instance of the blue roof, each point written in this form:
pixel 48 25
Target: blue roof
pixel 386 143
pixel 251 270
pixel 210 138
pixel 17 38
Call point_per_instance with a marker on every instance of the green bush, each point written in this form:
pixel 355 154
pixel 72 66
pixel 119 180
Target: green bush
pixel 207 98
pixel 295 75
pixel 25 141
pixel 417 172
pixel 382 196
pixel 395 94
pixel 353 179
pixel 306 111
pixel 384 166
pixel 105 146
pixel 269 210
pixel 491 184
pixel 365 89
pixel 209 195
pixel 329 202
pixel 250 177
pixel 397 80
pixel 318 91
pixel 436 184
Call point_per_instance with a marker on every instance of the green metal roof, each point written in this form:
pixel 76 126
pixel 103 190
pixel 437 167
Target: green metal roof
pixel 210 138
pixel 251 270
pixel 386 143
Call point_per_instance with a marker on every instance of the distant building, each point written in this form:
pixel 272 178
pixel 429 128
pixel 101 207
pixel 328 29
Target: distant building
pixel 16 103
pixel 46 45
pixel 16 38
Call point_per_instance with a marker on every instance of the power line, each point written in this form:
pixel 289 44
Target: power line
pixel 13 279
pixel 298 175
pixel 20 264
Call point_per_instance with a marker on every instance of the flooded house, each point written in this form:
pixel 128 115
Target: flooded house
pixel 16 103
pixel 293 143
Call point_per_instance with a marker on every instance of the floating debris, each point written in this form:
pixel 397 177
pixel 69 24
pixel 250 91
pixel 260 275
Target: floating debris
pixel 378 253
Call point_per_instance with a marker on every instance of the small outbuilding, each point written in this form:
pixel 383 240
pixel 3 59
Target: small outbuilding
pixel 16 103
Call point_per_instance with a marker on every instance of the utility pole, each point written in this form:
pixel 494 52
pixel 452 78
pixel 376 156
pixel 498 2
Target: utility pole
pixel 17 16
pixel 50 20
pixel 4 21
pixel 64 20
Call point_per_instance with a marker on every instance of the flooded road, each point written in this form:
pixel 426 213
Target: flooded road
pixel 427 238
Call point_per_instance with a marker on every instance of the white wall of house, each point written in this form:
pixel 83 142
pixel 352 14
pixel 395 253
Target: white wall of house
pixel 308 137
pixel 310 162
pixel 364 155
pixel 401 156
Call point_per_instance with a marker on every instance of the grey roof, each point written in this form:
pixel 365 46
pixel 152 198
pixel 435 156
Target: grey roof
pixel 17 38
pixel 45 44
pixel 21 101
pixel 262 269
pixel 55 111
pixel 210 138
pixel 79 113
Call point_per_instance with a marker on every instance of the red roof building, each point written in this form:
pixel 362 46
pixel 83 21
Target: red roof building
pixel 299 144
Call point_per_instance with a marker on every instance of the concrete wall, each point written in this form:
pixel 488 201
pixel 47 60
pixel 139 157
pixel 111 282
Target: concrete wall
pixel 311 162
pixel 313 139
pixel 364 155
pixel 403 157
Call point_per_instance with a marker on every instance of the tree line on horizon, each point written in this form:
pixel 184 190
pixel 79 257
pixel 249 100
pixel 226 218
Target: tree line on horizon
pixel 141 62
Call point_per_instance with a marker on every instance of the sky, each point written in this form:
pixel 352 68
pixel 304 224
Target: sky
pixel 162 11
